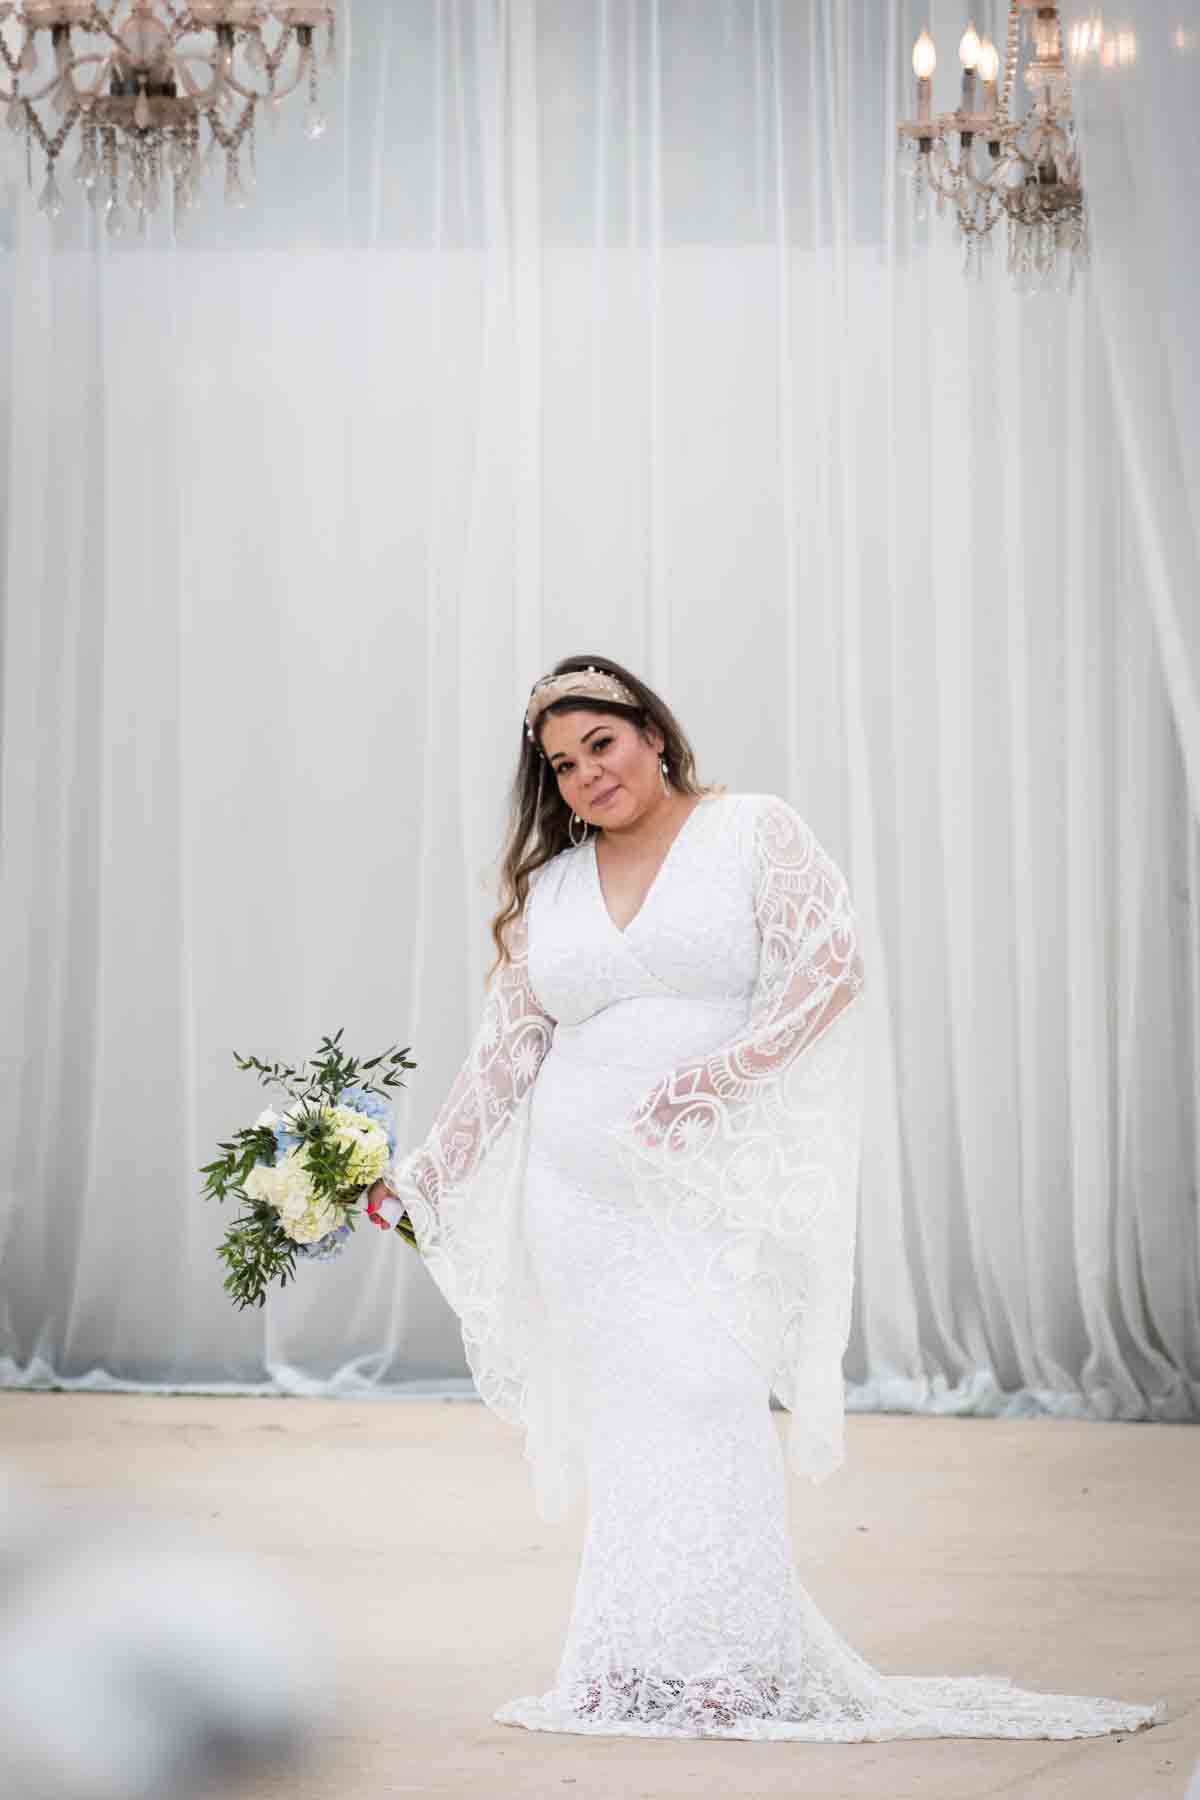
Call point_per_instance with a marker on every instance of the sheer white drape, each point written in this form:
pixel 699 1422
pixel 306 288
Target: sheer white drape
pixel 1135 68
pixel 594 326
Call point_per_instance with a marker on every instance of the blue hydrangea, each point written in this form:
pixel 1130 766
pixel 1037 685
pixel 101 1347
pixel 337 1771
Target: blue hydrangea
pixel 324 1249
pixel 375 1107
pixel 285 1140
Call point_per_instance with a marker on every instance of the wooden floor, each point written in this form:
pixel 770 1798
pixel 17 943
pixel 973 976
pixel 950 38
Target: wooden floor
pixel 1062 1554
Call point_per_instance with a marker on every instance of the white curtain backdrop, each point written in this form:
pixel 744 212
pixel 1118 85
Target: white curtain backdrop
pixel 602 326
pixel 1136 67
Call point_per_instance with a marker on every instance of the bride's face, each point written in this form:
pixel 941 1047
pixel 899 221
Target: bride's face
pixel 607 771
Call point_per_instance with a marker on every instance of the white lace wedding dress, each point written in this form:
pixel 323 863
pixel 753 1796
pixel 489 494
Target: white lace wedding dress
pixel 640 1199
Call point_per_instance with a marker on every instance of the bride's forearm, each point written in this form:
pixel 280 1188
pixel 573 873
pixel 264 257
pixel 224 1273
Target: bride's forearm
pixel 730 1075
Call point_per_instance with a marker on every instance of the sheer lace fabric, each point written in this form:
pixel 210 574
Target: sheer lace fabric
pixel 640 1199
pixel 462 1189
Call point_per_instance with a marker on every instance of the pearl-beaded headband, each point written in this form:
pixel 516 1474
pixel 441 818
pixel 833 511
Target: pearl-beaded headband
pixel 591 681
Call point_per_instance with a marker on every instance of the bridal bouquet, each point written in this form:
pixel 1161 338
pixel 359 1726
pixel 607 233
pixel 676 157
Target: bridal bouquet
pixel 300 1173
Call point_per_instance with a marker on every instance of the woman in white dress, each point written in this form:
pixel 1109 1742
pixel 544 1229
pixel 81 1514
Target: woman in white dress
pixel 639 1197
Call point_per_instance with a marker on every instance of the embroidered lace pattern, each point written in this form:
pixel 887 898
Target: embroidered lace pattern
pixel 761 1137
pixel 639 1197
pixel 461 1187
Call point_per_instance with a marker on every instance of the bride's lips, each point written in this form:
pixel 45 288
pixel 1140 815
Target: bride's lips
pixel 604 798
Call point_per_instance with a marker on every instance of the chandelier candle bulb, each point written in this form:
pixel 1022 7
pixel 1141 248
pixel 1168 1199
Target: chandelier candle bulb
pixel 988 67
pixel 924 56
pixel 968 55
pixel 924 62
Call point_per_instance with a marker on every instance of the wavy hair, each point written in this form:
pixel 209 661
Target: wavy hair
pixel 538 831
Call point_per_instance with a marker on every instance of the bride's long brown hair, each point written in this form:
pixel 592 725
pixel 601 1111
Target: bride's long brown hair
pixel 535 834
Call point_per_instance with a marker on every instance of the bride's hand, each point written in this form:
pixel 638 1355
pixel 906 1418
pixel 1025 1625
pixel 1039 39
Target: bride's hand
pixel 377 1193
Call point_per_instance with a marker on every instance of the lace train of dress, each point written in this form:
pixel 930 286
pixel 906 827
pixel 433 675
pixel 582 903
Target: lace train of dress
pixel 640 1197
pixel 689 1618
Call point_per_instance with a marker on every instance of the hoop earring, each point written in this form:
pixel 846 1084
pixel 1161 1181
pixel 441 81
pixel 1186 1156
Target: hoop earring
pixel 571 831
pixel 664 772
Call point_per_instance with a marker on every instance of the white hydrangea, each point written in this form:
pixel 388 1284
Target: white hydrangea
pixel 366 1138
pixel 288 1188
pixel 313 1224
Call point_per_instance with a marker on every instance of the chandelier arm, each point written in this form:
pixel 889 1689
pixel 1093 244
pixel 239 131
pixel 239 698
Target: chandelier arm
pixel 203 96
pixel 1027 162
pixel 303 61
pixel 947 193
pixel 302 67
pixel 93 92
pixel 51 147
pixel 252 93
pixel 992 181
pixel 67 77
pixel 982 188
pixel 30 99
pixel 993 207
pixel 992 189
pixel 102 22
pixel 229 140
pixel 978 184
pixel 222 79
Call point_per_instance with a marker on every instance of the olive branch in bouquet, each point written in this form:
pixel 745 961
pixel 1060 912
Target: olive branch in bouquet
pixel 257 1250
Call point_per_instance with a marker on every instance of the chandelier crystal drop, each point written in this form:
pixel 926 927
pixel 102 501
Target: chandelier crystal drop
pixel 154 91
pixel 1030 176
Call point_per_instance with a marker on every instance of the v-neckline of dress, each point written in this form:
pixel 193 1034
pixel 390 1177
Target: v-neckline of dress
pixel 622 930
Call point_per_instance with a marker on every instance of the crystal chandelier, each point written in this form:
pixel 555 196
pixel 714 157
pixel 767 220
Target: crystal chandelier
pixel 141 79
pixel 1032 174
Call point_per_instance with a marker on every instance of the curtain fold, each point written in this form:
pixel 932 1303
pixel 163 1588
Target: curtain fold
pixel 597 327
pixel 1134 69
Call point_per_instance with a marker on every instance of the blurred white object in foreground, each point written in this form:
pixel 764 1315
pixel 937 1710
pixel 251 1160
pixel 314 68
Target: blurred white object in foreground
pixel 133 1664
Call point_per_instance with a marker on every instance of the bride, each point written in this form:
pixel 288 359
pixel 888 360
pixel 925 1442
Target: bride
pixel 639 1197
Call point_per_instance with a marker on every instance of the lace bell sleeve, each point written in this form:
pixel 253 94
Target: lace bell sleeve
pixel 810 968
pixel 499 1071
pixel 462 1189
pixel 748 1156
